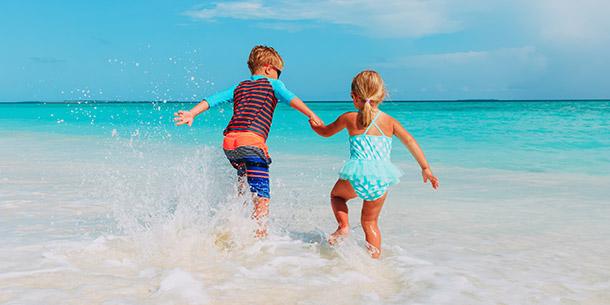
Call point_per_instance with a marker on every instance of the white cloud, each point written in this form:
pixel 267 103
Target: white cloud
pixel 388 18
pixel 524 55
pixel 285 26
pixel 566 22
pixel 469 74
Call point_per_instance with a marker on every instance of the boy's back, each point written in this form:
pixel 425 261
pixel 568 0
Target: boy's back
pixel 254 102
pixel 253 106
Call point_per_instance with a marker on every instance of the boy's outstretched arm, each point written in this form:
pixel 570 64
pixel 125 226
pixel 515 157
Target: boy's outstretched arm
pixel 407 139
pixel 330 129
pixel 299 105
pixel 186 117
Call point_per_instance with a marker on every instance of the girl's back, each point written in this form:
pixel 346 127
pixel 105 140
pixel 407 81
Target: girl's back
pixel 366 146
pixel 384 121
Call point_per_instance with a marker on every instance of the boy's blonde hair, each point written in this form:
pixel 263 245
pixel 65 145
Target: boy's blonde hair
pixel 367 87
pixel 263 55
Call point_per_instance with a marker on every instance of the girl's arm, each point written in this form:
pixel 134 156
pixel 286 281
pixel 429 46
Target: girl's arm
pixel 332 128
pixel 408 140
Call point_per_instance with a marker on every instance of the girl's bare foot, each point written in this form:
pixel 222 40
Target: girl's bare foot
pixel 340 232
pixel 373 251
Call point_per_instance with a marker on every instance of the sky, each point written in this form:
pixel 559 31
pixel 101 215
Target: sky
pixel 424 49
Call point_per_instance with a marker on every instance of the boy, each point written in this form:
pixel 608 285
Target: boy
pixel 254 101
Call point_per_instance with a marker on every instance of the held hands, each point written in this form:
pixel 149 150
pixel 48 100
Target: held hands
pixel 427 175
pixel 316 123
pixel 314 120
pixel 183 117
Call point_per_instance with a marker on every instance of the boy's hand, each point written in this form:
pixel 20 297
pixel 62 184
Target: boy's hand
pixel 315 125
pixel 314 120
pixel 183 117
pixel 427 174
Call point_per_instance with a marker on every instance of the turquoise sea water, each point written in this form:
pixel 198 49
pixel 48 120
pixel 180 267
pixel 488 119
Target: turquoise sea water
pixel 110 203
pixel 560 136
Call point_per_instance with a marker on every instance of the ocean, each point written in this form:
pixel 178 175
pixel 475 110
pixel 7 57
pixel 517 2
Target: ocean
pixel 110 203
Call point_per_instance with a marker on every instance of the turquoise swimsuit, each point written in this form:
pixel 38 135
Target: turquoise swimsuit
pixel 369 168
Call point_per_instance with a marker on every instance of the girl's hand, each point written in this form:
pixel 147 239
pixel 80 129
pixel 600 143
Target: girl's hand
pixel 314 120
pixel 316 126
pixel 183 117
pixel 427 174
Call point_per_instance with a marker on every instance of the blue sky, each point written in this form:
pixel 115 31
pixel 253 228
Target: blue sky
pixel 185 50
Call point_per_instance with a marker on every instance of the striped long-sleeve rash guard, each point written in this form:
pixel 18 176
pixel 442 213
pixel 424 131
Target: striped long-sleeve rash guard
pixel 254 101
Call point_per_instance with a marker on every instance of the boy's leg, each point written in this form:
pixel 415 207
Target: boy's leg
pixel 249 151
pixel 340 194
pixel 258 180
pixel 260 213
pixel 253 177
pixel 242 182
pixel 369 219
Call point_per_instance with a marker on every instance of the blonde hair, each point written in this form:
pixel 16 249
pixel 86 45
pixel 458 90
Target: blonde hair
pixel 367 87
pixel 263 55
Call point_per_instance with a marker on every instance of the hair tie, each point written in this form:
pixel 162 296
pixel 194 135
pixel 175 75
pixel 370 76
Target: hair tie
pixel 368 100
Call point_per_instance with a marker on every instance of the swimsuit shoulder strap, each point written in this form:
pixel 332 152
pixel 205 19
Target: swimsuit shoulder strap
pixel 374 123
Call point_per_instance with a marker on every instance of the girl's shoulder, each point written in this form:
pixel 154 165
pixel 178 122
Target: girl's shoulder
pixel 350 115
pixel 349 120
pixel 387 117
pixel 386 122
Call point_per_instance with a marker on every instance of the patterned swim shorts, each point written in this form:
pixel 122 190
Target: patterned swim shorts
pixel 248 153
pixel 369 190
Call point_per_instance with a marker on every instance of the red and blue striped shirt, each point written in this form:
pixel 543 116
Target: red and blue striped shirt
pixel 254 103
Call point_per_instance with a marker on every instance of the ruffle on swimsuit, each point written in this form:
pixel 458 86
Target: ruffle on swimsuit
pixel 381 170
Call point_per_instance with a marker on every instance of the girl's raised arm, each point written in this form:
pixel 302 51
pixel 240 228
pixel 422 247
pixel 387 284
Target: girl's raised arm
pixel 330 129
pixel 407 139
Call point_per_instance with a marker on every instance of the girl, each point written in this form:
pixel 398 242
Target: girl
pixel 369 172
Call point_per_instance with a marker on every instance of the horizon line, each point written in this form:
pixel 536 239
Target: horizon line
pixel 313 101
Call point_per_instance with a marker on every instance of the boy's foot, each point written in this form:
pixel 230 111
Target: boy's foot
pixel 261 233
pixel 332 240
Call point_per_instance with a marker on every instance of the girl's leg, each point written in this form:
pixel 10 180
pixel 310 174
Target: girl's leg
pixel 340 194
pixel 368 219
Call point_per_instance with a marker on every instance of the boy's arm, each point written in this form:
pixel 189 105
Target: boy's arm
pixel 286 96
pixel 186 117
pixel 299 105
pixel 407 139
pixel 332 128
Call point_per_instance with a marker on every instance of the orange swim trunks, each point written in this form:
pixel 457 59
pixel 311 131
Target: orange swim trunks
pixel 233 140
pixel 248 153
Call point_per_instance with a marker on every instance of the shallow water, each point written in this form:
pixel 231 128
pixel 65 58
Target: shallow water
pixel 111 204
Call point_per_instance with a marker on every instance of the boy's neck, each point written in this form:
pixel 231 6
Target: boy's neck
pixel 262 72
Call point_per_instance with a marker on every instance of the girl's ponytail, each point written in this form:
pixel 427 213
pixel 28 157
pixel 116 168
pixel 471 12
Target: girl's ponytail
pixel 368 87
pixel 366 116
